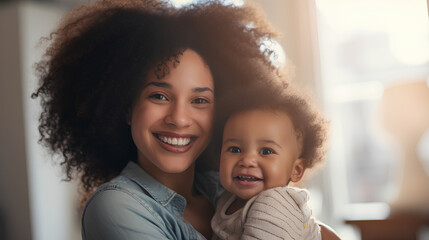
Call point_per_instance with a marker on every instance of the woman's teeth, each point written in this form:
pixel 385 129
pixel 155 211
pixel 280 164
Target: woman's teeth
pixel 175 141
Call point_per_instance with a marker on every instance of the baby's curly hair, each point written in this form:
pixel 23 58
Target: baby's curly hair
pixel 310 125
pixel 97 60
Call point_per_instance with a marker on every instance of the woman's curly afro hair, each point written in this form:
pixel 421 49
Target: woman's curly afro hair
pixel 97 60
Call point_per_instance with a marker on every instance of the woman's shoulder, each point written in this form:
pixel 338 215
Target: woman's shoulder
pixel 116 198
pixel 118 211
pixel 116 189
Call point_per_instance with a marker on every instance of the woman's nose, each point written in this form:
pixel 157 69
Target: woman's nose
pixel 178 116
pixel 249 160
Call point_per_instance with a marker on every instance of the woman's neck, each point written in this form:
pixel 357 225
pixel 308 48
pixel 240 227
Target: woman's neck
pixel 181 183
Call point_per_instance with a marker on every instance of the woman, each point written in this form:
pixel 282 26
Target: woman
pixel 132 87
pixel 129 90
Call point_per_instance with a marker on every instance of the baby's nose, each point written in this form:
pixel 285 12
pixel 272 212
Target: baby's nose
pixel 249 160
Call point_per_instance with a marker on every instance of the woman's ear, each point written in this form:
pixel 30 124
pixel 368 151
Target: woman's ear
pixel 298 170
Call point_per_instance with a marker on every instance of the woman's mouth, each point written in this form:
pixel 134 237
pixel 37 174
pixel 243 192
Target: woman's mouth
pixel 175 143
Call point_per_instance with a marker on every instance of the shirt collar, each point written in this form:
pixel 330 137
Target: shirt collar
pixel 155 189
pixel 207 183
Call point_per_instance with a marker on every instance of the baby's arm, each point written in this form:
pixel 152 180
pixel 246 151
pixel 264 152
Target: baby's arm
pixel 280 213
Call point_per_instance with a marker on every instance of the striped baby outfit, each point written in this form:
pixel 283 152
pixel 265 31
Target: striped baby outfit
pixel 278 213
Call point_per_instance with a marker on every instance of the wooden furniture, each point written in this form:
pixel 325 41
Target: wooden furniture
pixel 396 227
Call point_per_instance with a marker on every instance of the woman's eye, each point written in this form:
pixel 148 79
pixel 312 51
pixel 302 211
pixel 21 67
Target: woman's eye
pixel 234 150
pixel 200 101
pixel 158 96
pixel 266 151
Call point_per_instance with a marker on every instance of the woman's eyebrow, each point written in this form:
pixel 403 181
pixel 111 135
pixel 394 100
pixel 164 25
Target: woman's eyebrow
pixel 169 86
pixel 159 84
pixel 202 89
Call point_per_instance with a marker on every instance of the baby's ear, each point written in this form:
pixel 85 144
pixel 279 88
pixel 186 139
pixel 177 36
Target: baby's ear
pixel 297 170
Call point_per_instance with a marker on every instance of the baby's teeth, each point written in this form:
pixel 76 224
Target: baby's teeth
pixel 247 178
pixel 169 141
pixel 174 142
pixel 180 142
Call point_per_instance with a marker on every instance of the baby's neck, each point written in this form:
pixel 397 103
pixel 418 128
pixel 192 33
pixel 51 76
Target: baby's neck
pixel 236 205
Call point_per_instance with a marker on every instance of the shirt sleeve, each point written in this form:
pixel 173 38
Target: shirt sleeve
pixel 280 213
pixel 114 215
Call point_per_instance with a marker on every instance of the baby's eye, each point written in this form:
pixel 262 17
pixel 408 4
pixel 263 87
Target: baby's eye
pixel 266 151
pixel 158 96
pixel 234 149
pixel 200 101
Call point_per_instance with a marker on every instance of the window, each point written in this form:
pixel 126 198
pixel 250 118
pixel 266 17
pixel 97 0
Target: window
pixel 367 46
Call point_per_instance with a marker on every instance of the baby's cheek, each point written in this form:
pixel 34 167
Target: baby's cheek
pixel 276 177
pixel 224 173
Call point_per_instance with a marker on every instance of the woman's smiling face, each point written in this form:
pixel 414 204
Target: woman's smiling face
pixel 171 122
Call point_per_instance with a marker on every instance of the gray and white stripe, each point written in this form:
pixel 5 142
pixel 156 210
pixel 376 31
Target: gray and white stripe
pixel 280 213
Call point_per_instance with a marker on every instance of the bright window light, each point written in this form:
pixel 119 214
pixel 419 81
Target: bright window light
pixel 367 46
pixel 405 24
pixel 278 56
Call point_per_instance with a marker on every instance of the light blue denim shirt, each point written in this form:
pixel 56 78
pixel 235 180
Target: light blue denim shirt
pixel 136 206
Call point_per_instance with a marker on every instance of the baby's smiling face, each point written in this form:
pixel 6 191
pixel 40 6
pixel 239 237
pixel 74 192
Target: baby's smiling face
pixel 260 150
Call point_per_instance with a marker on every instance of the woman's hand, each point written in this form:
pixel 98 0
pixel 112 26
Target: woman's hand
pixel 327 232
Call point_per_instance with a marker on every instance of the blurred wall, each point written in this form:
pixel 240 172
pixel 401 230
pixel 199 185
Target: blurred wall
pixel 14 200
pixel 35 203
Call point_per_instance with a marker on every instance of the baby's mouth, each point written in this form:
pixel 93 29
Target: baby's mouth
pixel 248 178
pixel 174 141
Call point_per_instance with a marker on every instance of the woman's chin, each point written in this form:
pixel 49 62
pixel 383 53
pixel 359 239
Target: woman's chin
pixel 176 167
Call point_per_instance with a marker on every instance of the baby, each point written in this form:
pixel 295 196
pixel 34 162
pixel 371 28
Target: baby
pixel 264 148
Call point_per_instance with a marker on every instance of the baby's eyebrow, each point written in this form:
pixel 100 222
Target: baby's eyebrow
pixel 232 140
pixel 270 141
